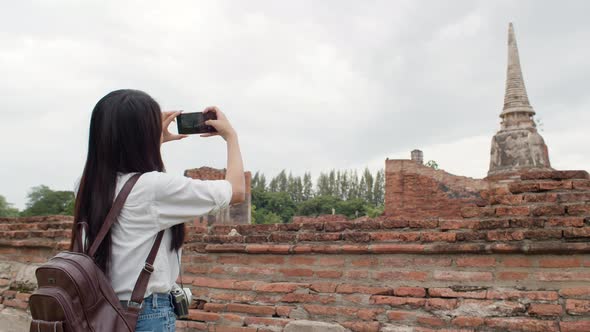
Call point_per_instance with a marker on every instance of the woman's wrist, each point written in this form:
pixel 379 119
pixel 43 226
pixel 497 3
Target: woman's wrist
pixel 231 137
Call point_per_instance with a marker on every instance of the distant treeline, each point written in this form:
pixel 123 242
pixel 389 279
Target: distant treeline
pixel 41 201
pixel 342 192
pixel 276 200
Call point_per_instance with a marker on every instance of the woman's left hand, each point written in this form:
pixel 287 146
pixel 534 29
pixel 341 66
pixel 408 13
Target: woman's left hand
pixel 167 118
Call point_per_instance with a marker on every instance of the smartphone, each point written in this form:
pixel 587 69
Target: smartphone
pixel 194 123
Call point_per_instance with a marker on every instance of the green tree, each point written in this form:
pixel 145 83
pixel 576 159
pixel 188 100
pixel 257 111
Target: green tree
pixel 323 184
pixel 259 181
pixel 262 216
pixel 318 205
pixel 352 208
pixel 375 211
pixel 432 163
pixel 279 203
pixel 368 186
pixel 353 187
pixel 43 201
pixel 307 186
pixel 379 188
pixel 344 185
pixel 6 209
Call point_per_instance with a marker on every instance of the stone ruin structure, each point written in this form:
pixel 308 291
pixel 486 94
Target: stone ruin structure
pixel 238 214
pixel 518 145
pixel 507 253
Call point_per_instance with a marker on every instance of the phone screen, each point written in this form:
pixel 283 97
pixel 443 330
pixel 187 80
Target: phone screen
pixel 194 123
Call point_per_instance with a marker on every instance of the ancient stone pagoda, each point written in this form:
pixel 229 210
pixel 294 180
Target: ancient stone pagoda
pixel 518 145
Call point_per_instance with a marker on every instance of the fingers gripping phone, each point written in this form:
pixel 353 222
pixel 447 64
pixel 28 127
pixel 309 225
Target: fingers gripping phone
pixel 194 123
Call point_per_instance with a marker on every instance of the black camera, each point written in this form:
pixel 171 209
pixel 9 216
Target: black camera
pixel 194 123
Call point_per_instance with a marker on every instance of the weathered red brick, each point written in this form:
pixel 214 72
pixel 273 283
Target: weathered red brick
pixel 323 287
pixel 430 321
pixel 410 291
pixel 477 261
pixel 398 315
pixel 266 321
pixel 330 274
pixel 512 275
pixel 439 237
pixel 466 321
pixel 401 275
pixel 200 315
pixel 251 309
pixel 577 232
pixel 394 248
pixel 331 261
pixel 359 326
pixel 517 262
pixel 396 301
pixel 508 294
pixel 513 211
pixel 393 223
pixel 462 276
pixel 549 210
pixel 578 209
pixel 575 292
pixel 448 292
pixel 433 223
pixel 349 288
pixel 521 187
pixel 565 222
pixel 559 262
pixel 563 276
pixel 15 303
pixel 441 304
pixel 522 324
pixel 541 198
pixel 297 272
pixel 575 326
pixel 505 235
pixel 577 307
pixel 395 236
pixel 554 185
pixel 280 287
pixel 432 261
pixel 542 309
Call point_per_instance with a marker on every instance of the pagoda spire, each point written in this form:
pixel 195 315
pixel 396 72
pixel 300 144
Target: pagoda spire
pixel 517 146
pixel 515 98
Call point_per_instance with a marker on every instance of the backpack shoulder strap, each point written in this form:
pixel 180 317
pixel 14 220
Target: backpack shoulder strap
pixel 113 214
pixel 141 284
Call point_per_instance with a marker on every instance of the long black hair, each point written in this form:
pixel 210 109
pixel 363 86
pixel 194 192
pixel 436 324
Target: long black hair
pixel 125 133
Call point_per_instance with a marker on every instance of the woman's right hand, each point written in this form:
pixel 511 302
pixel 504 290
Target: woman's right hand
pixel 222 125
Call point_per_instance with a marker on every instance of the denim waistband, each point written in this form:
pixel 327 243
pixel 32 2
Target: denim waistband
pixel 155 300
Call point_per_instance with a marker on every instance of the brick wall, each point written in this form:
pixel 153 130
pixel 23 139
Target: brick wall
pixel 518 261
pixel 417 191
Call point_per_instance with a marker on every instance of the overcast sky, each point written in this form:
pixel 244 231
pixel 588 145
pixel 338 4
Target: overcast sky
pixel 308 85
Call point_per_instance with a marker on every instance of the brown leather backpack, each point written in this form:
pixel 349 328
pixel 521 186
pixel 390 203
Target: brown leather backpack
pixel 75 295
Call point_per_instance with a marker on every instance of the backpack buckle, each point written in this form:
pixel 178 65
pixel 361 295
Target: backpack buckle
pixel 134 305
pixel 149 268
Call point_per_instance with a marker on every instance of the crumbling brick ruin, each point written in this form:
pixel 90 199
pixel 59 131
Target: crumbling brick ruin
pixel 505 253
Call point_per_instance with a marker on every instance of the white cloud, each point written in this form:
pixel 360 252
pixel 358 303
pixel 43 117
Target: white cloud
pixel 308 85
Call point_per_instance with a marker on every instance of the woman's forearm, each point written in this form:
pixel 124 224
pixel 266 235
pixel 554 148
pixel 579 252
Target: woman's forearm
pixel 235 170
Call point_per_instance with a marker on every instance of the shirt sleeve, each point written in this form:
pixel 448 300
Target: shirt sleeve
pixel 179 199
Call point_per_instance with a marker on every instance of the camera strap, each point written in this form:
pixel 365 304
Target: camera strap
pixel 180 270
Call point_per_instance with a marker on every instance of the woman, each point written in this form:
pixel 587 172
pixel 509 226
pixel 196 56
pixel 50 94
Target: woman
pixel 127 129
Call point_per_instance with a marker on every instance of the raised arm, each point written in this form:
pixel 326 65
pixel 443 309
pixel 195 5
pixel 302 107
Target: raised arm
pixel 235 167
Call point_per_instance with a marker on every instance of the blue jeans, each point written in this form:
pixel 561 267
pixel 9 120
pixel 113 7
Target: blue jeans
pixel 157 314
